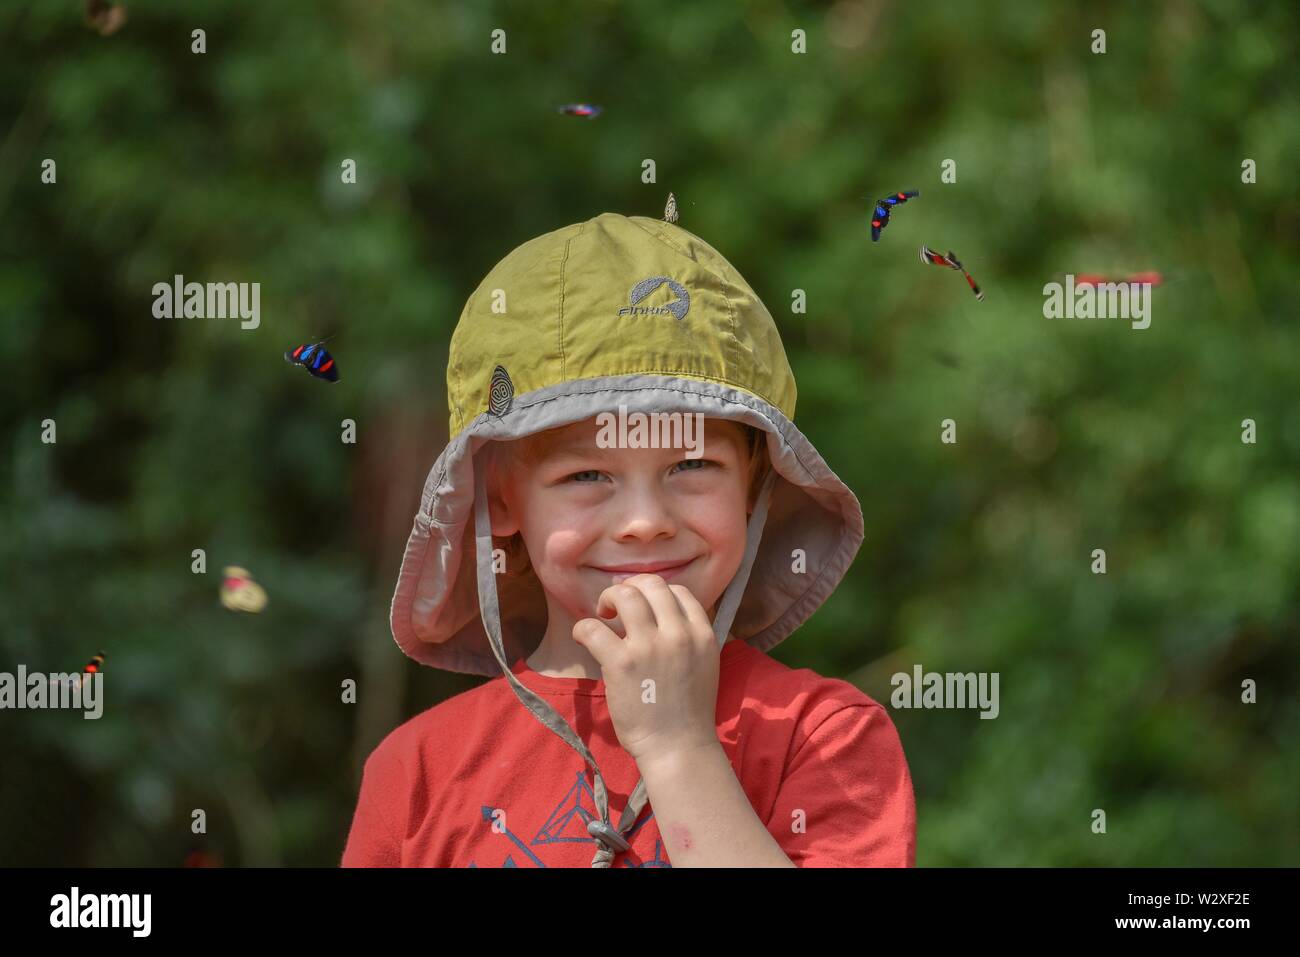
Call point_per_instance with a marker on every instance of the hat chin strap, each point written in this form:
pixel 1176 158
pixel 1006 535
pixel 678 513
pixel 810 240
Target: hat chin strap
pixel 609 840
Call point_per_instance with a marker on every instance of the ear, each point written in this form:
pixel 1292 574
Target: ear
pixel 760 465
pixel 504 521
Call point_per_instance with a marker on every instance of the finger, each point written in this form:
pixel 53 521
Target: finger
pixel 599 639
pixel 695 614
pixel 668 611
pixel 630 604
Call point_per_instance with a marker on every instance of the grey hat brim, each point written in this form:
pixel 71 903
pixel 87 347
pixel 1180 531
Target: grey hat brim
pixel 435 612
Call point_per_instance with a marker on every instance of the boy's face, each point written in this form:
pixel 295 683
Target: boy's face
pixel 586 512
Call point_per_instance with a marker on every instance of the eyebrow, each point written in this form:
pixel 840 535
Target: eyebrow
pixel 588 449
pixel 573 449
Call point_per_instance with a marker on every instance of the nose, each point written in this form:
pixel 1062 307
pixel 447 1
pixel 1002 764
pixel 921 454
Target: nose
pixel 644 514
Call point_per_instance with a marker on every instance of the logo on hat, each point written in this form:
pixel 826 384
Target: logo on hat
pixel 678 307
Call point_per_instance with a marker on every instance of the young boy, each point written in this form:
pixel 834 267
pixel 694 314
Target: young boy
pixel 624 520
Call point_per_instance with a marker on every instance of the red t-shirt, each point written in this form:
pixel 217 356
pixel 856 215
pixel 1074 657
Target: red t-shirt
pixel 478 781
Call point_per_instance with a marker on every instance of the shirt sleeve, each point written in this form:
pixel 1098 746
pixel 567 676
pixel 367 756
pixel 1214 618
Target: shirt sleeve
pixel 846 797
pixel 375 836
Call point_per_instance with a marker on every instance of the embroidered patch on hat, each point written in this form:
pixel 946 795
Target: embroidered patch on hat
pixel 678 307
pixel 501 392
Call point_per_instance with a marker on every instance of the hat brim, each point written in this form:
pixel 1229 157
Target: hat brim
pixel 435 612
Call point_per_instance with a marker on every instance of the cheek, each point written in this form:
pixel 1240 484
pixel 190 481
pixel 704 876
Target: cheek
pixel 722 523
pixel 554 530
pixel 564 547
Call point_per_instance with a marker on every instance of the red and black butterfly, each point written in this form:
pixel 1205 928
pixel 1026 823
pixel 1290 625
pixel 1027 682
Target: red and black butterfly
pixel 1092 279
pixel 315 360
pixel 934 259
pixel 880 218
pixel 92 668
pixel 1149 277
pixel 579 109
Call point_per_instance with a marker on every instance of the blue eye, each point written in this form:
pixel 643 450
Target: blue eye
pixel 587 472
pixel 702 462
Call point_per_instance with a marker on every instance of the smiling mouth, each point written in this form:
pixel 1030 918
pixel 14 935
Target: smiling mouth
pixel 662 569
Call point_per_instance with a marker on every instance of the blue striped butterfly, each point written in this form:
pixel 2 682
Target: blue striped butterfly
pixel 315 360
pixel 880 217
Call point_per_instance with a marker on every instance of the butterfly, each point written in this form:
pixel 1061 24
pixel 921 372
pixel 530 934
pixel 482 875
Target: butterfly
pixel 1092 279
pixel 92 668
pixel 880 218
pixel 103 17
pixel 934 259
pixel 501 391
pixel 315 360
pixel 579 109
pixel 670 211
pixel 1151 277
pixel 239 592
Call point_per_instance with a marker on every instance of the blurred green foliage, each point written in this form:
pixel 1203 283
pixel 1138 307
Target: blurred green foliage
pixel 1119 692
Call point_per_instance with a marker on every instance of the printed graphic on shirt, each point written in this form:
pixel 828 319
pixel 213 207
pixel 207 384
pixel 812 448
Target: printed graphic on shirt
pixel 566 824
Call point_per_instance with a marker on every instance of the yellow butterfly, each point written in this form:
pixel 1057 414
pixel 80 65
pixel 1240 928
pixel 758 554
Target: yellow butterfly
pixel 239 592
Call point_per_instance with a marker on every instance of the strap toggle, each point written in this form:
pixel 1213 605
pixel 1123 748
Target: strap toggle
pixel 604 832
